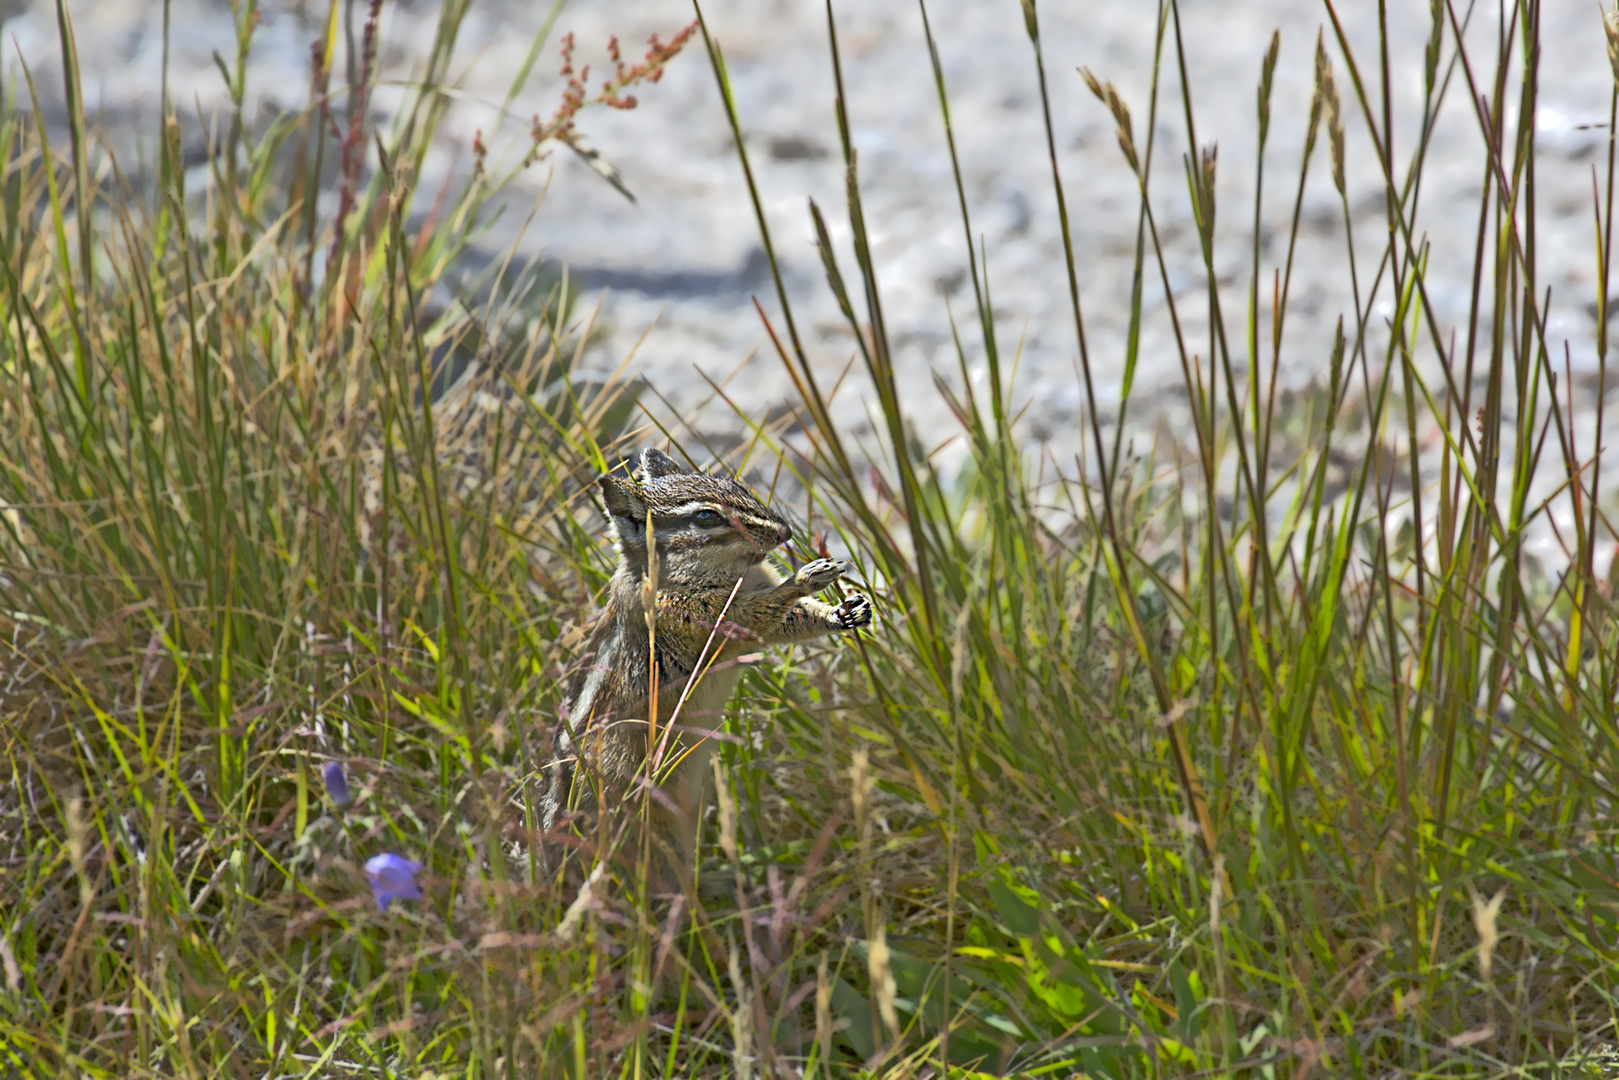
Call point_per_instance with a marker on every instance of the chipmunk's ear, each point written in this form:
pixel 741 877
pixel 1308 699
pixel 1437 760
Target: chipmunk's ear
pixel 623 502
pixel 655 463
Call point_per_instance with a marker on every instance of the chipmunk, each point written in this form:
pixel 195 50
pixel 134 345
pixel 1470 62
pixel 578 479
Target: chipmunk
pixel 713 596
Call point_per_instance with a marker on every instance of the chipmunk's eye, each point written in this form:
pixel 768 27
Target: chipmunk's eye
pixel 708 518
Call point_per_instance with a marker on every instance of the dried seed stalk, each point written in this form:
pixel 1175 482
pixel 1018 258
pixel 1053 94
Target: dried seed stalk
pixel 1108 94
pixel 1326 93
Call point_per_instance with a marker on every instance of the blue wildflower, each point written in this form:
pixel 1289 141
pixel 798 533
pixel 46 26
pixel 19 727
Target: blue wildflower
pixel 392 877
pixel 337 785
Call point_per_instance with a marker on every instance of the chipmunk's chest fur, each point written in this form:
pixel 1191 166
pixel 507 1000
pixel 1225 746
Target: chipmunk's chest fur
pixel 622 656
pixel 610 704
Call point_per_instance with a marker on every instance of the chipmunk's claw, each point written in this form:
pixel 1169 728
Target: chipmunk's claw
pixel 821 573
pixel 853 613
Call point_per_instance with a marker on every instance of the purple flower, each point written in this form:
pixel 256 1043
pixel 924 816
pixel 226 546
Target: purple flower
pixel 392 877
pixel 337 785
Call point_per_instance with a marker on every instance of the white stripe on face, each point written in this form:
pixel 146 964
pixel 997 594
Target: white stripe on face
pixel 689 508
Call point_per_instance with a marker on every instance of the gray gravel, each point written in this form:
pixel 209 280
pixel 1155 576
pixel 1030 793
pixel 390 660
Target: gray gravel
pixel 685 258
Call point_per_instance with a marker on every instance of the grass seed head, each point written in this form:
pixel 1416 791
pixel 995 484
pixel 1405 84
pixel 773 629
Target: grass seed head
pixel 77 831
pixel 1208 168
pixel 1267 80
pixel 14 973
pixel 1436 37
pixel 1326 92
pixel 860 788
pixel 823 1008
pixel 883 987
pixel 1610 27
pixel 1485 913
pixel 1109 95
pixel 741 1030
pixel 727 810
pixel 582 902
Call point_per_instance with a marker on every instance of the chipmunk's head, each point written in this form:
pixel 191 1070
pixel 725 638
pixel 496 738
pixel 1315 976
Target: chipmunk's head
pixel 707 529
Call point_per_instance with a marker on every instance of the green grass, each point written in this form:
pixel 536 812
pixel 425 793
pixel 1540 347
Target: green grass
pixel 1123 783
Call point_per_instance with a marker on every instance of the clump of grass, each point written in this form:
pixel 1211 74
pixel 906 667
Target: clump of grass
pixel 1283 760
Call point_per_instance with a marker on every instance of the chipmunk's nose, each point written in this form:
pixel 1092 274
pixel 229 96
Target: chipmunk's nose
pixel 785 532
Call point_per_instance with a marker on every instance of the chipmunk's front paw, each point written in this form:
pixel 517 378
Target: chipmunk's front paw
pixel 853 613
pixel 821 573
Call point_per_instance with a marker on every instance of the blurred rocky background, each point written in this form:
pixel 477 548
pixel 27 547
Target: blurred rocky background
pixel 675 270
